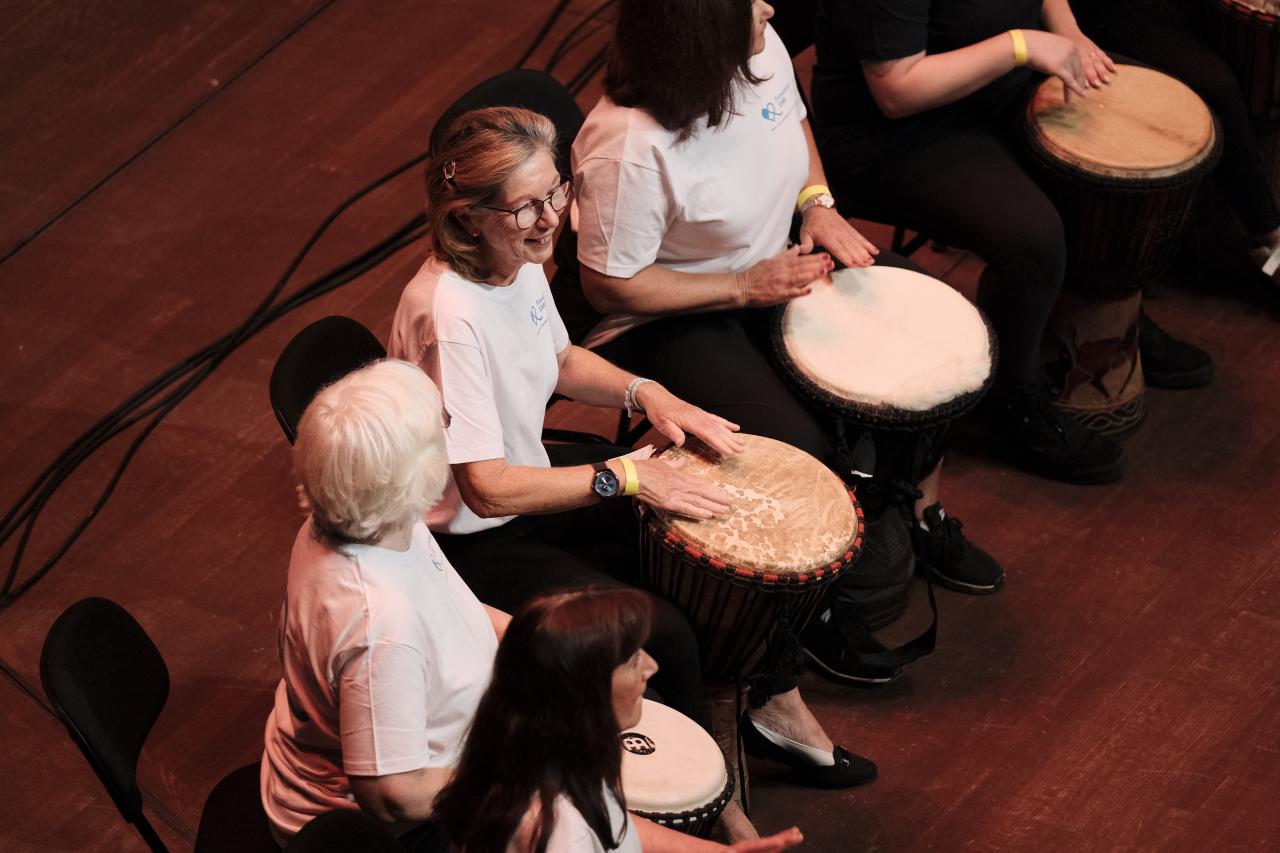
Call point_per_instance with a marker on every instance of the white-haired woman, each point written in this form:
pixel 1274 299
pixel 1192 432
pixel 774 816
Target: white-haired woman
pixel 385 650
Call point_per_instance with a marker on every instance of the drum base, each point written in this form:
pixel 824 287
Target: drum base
pixel 1091 350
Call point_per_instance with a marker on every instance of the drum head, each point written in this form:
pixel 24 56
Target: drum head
pixel 791 514
pixel 1143 124
pixel 670 765
pixel 888 337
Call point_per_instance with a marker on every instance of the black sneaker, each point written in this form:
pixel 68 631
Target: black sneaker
pixel 844 650
pixel 1030 432
pixel 1168 362
pixel 951 559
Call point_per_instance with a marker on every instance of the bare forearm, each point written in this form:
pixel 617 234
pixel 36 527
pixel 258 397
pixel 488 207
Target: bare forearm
pixel 494 489
pixel 916 85
pixel 588 378
pixel 817 175
pixel 657 291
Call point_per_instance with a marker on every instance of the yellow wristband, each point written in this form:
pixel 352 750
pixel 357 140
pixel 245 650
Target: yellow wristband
pixel 809 192
pixel 1019 48
pixel 633 479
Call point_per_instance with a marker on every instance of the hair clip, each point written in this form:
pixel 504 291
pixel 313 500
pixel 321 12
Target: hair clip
pixel 450 169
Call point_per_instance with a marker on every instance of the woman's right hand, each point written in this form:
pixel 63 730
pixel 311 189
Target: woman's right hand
pixel 782 277
pixel 664 486
pixel 770 843
pixel 1060 57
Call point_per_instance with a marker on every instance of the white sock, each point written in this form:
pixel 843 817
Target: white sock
pixel 815 755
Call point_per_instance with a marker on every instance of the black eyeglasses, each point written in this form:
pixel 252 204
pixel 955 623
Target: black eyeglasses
pixel 527 214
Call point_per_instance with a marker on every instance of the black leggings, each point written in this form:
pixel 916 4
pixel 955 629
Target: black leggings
pixel 965 187
pixel 1158 33
pixel 593 546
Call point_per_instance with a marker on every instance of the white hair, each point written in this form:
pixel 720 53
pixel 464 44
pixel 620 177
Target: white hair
pixel 370 452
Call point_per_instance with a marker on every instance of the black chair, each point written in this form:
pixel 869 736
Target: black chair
pixel 344 831
pixel 540 92
pixel 108 683
pixel 326 350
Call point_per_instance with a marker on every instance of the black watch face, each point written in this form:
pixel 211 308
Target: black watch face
pixel 605 484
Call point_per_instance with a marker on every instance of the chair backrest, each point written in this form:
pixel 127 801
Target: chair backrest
pixel 326 350
pixel 342 831
pixel 107 683
pixel 523 87
pixel 233 820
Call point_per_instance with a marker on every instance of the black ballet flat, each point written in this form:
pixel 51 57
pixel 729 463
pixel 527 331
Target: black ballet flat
pixel 849 769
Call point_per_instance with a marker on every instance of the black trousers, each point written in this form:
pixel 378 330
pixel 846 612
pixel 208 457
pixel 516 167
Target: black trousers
pixel 966 187
pixel 1158 33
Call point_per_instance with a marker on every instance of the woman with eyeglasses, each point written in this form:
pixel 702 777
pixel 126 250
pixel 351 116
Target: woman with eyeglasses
pixel 480 319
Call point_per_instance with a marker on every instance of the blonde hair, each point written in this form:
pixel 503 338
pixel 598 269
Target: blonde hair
pixel 370 452
pixel 482 149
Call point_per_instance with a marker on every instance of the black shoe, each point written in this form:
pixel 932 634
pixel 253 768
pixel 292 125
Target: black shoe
pixel 1168 362
pixel 844 650
pixel 1029 431
pixel 848 770
pixel 950 558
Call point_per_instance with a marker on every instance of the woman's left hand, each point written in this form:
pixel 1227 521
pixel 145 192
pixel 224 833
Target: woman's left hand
pixel 673 417
pixel 825 227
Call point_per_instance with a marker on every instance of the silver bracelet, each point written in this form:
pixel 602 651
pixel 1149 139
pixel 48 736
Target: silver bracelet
pixel 629 401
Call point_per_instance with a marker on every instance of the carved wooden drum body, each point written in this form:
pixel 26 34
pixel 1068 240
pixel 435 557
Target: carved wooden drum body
pixel 794 529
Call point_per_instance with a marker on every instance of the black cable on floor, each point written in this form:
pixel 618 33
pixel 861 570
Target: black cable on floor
pixel 169 128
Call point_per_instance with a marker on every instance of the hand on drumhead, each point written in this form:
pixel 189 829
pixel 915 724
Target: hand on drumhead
pixel 770 843
pixel 674 417
pixel 1059 56
pixel 824 227
pixel 664 486
pixel 1098 67
pixel 781 278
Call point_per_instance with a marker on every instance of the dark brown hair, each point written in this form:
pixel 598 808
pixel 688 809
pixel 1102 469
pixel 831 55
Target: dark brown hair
pixel 546 726
pixel 681 60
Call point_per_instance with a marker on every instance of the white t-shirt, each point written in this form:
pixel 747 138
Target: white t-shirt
pixel 492 352
pixel 572 833
pixel 385 657
pixel 717 202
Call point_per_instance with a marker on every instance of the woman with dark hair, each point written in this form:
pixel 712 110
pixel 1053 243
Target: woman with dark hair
pixel 685 173
pixel 541 769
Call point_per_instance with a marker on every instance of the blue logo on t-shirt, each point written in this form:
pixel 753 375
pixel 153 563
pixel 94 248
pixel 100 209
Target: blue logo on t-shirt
pixel 771 112
pixel 537 311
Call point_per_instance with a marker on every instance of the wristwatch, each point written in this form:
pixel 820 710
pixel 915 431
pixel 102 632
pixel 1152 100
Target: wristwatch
pixel 819 200
pixel 605 482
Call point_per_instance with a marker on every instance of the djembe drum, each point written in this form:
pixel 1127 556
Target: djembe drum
pixel 895 356
pixel 673 772
pixel 794 528
pixel 1122 167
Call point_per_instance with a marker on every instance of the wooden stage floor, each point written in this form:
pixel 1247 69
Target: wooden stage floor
pixel 163 162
